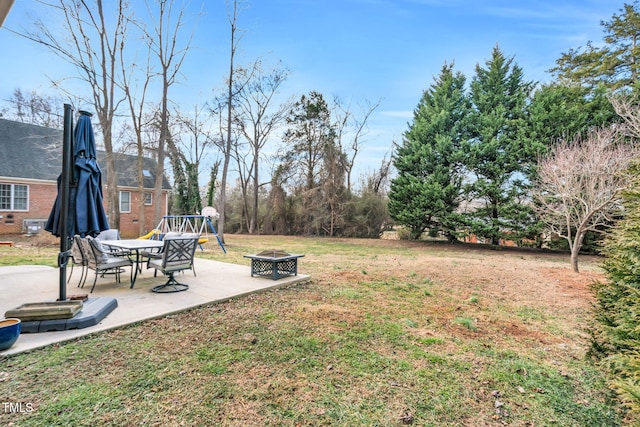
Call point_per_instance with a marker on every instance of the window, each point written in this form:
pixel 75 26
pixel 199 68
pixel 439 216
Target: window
pixel 148 199
pixel 125 201
pixel 14 197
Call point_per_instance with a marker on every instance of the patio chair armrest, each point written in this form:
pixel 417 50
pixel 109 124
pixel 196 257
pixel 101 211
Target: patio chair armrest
pixel 115 251
pixel 151 254
pixel 119 252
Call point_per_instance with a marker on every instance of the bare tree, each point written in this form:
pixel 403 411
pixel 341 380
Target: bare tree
pixel 194 139
pixel 236 36
pixel 629 109
pixel 136 101
pixel 579 185
pixel 89 39
pixel 199 137
pixel 378 180
pixel 257 120
pixel 241 155
pixel 163 43
pixel 353 128
pixel 35 108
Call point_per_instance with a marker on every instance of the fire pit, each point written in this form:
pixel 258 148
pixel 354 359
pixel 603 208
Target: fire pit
pixel 274 263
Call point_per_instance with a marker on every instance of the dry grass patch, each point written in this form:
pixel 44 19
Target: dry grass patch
pixel 387 333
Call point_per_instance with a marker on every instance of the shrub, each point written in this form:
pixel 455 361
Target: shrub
pixel 616 332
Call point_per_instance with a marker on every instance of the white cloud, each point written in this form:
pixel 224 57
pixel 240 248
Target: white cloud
pixel 398 114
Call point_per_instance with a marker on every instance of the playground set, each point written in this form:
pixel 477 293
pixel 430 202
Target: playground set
pixel 200 224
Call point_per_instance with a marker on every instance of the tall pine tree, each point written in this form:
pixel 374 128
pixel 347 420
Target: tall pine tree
pixel 615 65
pixel 426 192
pixel 562 112
pixel 498 151
pixel 312 165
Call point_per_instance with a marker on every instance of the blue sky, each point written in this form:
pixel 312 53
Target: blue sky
pixel 359 50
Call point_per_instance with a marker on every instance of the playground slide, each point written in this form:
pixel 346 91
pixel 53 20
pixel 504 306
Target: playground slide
pixel 150 234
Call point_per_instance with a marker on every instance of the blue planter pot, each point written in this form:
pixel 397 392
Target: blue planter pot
pixel 9 332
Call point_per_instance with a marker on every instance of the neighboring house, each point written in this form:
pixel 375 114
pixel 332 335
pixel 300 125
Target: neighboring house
pixel 30 163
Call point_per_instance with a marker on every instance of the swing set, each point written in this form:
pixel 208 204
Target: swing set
pixel 199 224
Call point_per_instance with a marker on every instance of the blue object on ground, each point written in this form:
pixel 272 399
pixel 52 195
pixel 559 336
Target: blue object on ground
pixel 9 332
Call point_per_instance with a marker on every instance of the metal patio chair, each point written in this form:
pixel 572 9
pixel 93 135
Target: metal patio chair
pixel 157 254
pixel 78 258
pixel 112 234
pixel 102 261
pixel 177 255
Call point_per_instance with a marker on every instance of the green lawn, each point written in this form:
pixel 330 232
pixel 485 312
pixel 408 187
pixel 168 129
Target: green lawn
pixel 385 333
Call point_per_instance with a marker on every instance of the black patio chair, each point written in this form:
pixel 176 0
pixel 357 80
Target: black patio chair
pixel 177 255
pixel 102 261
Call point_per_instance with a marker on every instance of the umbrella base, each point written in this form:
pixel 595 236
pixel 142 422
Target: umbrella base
pixel 46 310
pixel 92 313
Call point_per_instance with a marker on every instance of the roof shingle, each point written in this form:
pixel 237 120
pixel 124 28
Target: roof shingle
pixel 35 152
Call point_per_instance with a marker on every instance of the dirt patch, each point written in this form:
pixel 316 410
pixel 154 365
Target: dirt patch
pixel 570 285
pixel 40 240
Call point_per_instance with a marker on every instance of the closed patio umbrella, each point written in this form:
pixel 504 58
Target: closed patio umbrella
pixel 90 218
pixel 78 208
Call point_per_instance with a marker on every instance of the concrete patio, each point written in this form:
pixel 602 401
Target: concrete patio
pixel 215 282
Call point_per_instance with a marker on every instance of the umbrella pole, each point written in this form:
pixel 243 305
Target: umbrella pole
pixel 63 256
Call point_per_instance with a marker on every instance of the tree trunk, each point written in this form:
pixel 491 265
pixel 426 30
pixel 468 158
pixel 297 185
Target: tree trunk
pixel 495 239
pixel 253 225
pixel 113 196
pixel 574 259
pixel 162 144
pixel 575 249
pixel 142 222
pixel 227 151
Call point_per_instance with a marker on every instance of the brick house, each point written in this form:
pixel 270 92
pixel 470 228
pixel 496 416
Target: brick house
pixel 30 162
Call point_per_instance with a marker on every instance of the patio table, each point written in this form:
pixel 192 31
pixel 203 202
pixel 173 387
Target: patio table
pixel 134 246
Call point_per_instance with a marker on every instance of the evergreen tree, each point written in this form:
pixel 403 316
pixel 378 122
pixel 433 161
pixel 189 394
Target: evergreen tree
pixel 426 192
pixel 313 165
pixel 616 333
pixel 616 64
pixel 180 187
pixel 186 191
pixel 211 190
pixel 308 134
pixel 194 200
pixel 559 112
pixel 499 153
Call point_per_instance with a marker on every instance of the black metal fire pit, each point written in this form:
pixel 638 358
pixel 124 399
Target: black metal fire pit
pixel 274 263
